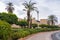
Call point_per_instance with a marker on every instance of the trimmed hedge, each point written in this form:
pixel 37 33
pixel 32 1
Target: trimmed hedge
pixel 48 26
pixel 34 25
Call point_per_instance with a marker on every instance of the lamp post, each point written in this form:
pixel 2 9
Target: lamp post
pixel 37 15
pixel 38 18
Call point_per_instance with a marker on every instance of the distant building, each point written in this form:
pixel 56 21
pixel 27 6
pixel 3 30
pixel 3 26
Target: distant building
pixel 19 19
pixel 59 25
pixel 43 21
pixel 35 21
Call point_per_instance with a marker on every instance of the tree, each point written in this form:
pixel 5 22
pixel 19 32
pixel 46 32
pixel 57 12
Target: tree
pixel 10 18
pixel 52 19
pixel 23 23
pixel 10 7
pixel 29 6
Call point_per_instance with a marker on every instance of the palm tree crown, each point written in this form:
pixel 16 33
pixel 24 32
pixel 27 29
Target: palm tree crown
pixel 52 19
pixel 29 6
pixel 10 7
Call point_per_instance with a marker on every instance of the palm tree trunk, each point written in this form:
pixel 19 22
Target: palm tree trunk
pixel 52 22
pixel 28 18
pixel 31 21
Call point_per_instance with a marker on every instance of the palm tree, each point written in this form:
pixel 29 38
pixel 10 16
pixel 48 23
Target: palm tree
pixel 29 6
pixel 10 7
pixel 52 19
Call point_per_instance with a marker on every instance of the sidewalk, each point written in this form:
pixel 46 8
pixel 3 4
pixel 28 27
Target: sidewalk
pixel 41 36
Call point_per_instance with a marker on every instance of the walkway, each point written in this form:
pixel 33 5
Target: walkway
pixel 41 36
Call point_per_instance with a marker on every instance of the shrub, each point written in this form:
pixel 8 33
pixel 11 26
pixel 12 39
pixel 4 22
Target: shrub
pixel 34 25
pixel 24 33
pixel 5 30
pixel 20 33
pixel 16 35
pixel 48 26
pixel 43 25
pixel 10 18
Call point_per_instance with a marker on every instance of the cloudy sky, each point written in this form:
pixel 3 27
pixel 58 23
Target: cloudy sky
pixel 45 7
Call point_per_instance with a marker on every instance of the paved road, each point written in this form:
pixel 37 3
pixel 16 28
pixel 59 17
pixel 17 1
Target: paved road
pixel 56 36
pixel 42 36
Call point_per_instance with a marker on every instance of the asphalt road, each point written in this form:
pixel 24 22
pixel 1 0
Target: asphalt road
pixel 56 36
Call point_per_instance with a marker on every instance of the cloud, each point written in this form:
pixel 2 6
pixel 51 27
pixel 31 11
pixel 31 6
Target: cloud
pixel 45 7
pixel 2 7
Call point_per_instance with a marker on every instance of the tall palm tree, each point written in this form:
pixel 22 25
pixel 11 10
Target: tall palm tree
pixel 52 19
pixel 10 7
pixel 29 6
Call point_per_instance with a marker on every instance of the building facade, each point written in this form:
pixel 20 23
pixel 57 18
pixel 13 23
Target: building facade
pixel 42 21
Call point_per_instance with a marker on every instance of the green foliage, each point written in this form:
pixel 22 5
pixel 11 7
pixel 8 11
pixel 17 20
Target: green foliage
pixel 43 25
pixel 23 23
pixel 52 19
pixel 48 26
pixel 5 30
pixel 20 33
pixel 8 17
pixel 34 25
pixel 15 36
pixel 24 33
pixel 29 6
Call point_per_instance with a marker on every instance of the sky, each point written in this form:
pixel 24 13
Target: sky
pixel 45 7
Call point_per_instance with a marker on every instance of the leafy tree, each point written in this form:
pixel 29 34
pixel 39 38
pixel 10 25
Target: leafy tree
pixel 10 7
pixel 29 6
pixel 23 23
pixel 10 18
pixel 52 19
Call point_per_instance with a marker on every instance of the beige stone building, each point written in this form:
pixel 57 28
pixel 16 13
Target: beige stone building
pixel 19 19
pixel 35 21
pixel 43 21
pixel 59 25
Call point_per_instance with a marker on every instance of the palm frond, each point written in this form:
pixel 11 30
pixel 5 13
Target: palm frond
pixel 10 4
pixel 26 5
pixel 30 6
pixel 35 8
pixel 33 4
pixel 52 18
pixel 30 2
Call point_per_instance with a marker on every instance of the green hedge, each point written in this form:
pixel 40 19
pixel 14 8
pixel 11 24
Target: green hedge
pixel 48 26
pixel 34 25
pixel 20 33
